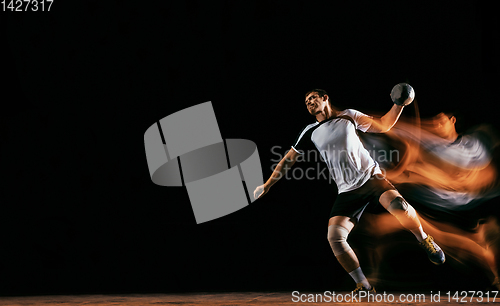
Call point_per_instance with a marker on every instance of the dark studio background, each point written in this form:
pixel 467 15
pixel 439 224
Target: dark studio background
pixel 82 83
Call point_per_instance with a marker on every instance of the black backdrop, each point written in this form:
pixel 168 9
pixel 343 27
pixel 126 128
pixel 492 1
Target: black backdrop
pixel 83 82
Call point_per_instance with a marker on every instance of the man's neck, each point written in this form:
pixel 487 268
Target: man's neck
pixel 452 137
pixel 327 113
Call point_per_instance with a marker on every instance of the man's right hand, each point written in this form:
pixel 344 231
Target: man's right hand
pixel 260 191
pixel 280 170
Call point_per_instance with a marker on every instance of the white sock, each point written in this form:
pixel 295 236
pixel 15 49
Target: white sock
pixel 419 233
pixel 358 276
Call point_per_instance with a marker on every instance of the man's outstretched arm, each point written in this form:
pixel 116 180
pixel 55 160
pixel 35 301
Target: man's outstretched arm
pixel 280 170
pixel 387 121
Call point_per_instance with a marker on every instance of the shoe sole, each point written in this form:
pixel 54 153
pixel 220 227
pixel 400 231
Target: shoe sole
pixel 438 263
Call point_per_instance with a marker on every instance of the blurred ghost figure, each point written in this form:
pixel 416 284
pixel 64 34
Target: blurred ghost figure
pixel 452 181
pixel 455 171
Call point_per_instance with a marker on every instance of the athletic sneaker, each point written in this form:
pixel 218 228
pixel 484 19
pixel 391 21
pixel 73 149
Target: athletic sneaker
pixel 360 287
pixel 434 252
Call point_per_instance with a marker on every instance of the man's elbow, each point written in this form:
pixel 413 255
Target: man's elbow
pixel 386 129
pixel 385 126
pixel 379 128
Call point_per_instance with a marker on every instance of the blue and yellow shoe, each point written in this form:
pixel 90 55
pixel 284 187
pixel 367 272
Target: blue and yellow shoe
pixel 434 252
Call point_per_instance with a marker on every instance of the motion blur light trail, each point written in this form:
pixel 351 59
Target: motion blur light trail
pixel 454 174
pixel 479 247
pixel 452 181
pixel 457 171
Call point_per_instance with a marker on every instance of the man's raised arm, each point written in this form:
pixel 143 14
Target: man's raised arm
pixel 387 121
pixel 280 170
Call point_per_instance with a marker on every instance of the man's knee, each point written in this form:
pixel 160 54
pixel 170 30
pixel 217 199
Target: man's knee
pixel 337 236
pixel 399 205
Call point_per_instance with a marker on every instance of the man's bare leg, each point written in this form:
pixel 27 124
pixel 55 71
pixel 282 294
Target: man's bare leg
pixel 407 216
pixel 339 228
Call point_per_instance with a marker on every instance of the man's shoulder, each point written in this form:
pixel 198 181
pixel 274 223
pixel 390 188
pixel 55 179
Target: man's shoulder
pixel 309 126
pixel 306 129
pixel 348 112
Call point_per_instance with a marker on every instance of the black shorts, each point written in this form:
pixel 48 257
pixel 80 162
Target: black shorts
pixel 353 203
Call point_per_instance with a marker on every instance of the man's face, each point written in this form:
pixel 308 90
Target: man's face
pixel 315 103
pixel 443 125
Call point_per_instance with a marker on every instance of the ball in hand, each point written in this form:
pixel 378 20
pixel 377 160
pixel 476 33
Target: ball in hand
pixel 402 94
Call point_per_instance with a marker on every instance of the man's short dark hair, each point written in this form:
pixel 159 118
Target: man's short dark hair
pixel 321 92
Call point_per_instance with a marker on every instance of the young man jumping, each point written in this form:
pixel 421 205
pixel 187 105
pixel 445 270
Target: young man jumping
pixel 358 177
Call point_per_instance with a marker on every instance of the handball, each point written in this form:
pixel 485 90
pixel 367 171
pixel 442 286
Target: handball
pixel 402 94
